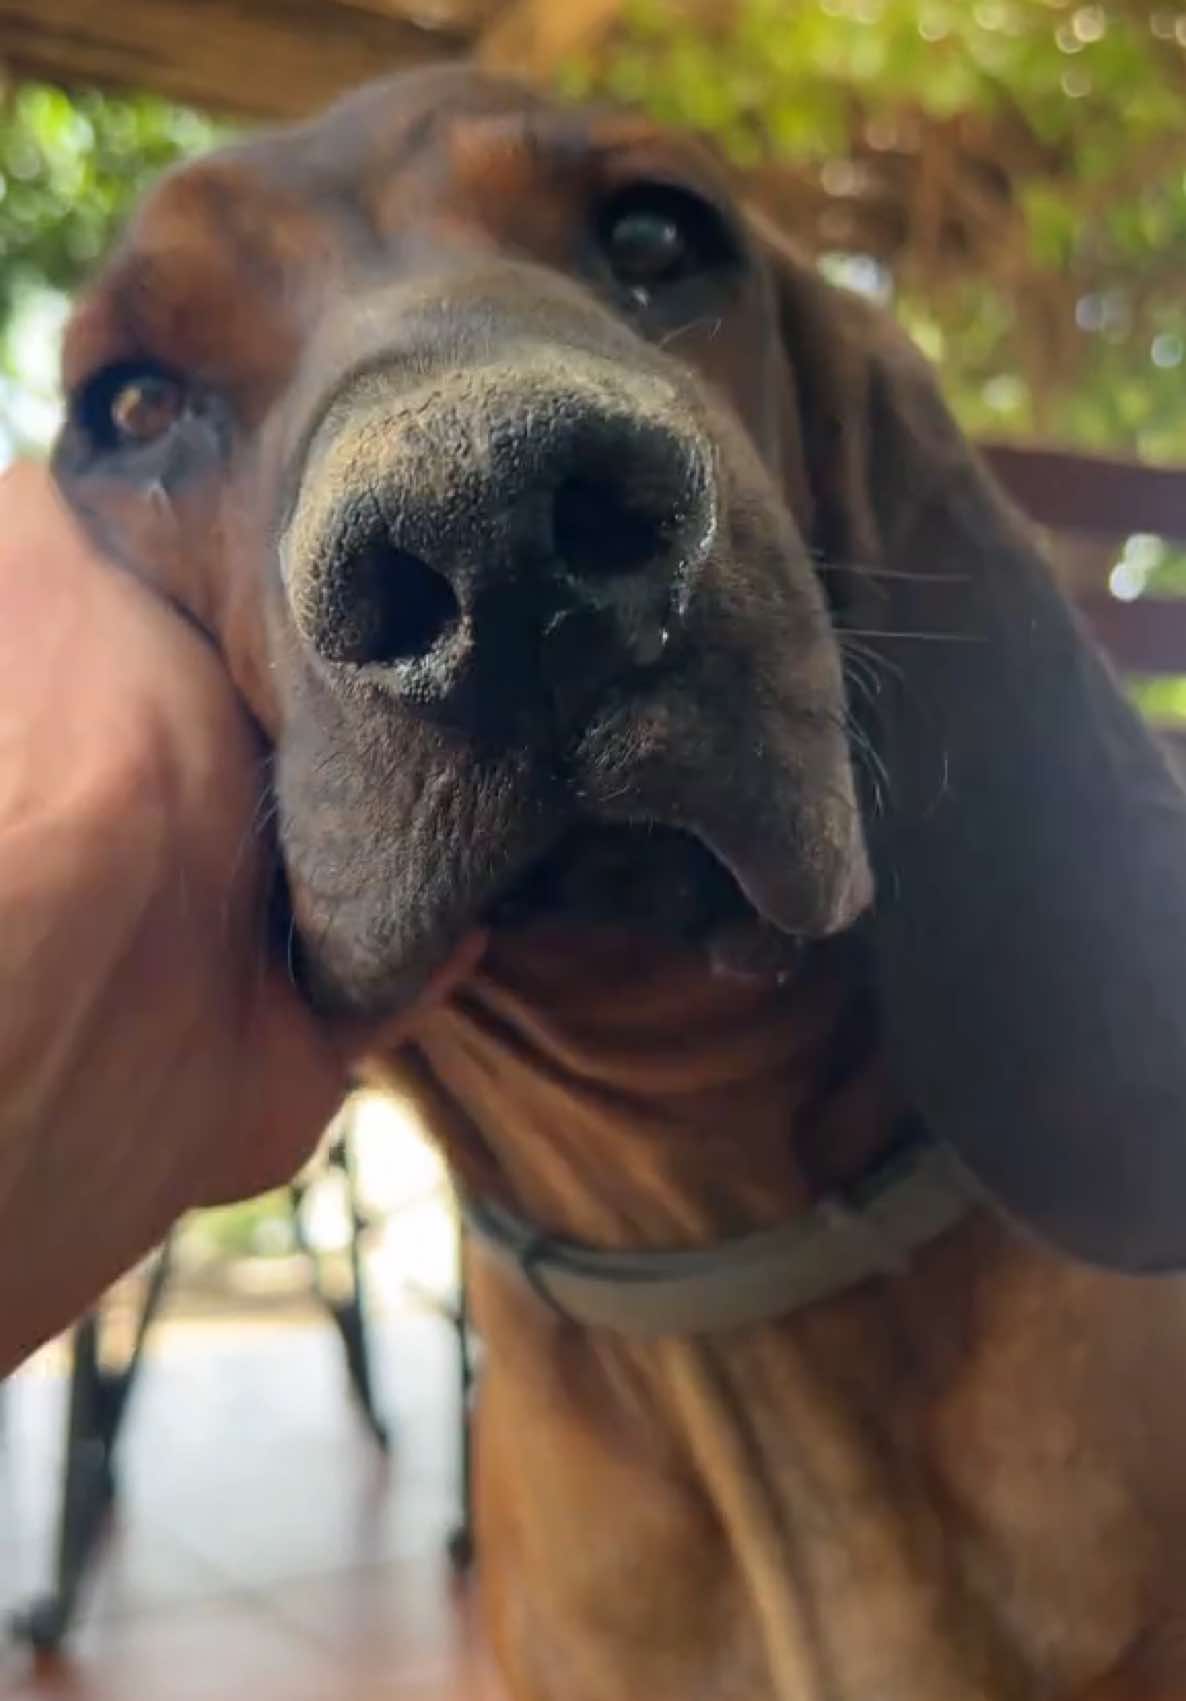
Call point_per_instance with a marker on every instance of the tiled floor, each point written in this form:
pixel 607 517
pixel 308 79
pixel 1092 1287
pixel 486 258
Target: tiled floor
pixel 263 1548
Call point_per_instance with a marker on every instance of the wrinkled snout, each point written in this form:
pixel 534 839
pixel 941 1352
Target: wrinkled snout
pixel 500 540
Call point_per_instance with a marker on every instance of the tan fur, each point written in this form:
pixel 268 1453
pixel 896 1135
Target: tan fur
pixel 958 1483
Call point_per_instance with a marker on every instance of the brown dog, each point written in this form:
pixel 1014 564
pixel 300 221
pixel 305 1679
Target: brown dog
pixel 601 575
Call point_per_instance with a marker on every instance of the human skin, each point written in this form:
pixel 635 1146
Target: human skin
pixel 154 1053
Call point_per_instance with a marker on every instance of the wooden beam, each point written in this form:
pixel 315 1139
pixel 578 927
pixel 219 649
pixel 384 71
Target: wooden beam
pixel 1146 636
pixel 533 38
pixel 255 58
pixel 1092 493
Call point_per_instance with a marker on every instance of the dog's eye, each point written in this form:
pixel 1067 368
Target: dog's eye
pixel 145 408
pixel 657 235
pixel 645 247
pixel 130 406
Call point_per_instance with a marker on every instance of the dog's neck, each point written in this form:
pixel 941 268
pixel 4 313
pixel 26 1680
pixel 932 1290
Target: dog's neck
pixel 616 1092
pixel 811 1508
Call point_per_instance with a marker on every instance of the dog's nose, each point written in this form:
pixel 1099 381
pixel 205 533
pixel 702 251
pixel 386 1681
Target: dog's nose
pixel 491 543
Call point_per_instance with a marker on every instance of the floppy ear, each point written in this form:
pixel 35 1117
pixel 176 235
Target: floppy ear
pixel 1030 928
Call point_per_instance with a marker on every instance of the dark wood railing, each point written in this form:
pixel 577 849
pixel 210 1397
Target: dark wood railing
pixel 1108 498
pixel 1097 495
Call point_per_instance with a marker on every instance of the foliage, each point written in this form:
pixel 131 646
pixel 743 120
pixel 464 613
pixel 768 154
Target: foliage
pixel 1162 700
pixel 1018 167
pixel 253 1228
pixel 70 166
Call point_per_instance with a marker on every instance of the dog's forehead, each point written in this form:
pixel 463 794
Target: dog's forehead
pixel 232 257
pixel 447 137
pixel 441 130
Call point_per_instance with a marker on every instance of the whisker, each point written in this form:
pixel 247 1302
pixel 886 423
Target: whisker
pixel 861 571
pixel 861 761
pixel 692 325
pixel 267 807
pixel 870 758
pixel 860 672
pixel 944 787
pixel 871 661
pixel 863 752
pixel 266 810
pixel 853 650
pixel 915 637
pixel 290 948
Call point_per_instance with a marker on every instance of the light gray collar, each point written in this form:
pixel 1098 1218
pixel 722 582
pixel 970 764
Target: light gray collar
pixel 908 1200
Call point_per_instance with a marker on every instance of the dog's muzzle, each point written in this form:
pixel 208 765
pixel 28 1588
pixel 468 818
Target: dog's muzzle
pixel 503 540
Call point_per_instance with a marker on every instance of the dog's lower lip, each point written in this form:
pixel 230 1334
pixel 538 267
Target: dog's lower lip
pixel 587 879
pixel 754 949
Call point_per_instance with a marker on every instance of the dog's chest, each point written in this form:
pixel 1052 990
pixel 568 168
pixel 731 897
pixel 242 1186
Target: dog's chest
pixel 772 1520
pixel 945 1486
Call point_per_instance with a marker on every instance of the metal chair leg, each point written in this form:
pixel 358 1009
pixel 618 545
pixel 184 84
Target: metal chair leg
pixel 461 1538
pixel 97 1407
pixel 348 1313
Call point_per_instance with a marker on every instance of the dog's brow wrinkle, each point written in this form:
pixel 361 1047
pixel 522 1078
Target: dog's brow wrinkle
pixel 422 133
pixel 564 145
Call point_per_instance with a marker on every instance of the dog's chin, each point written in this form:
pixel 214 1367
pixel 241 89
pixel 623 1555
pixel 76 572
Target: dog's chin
pixel 658 882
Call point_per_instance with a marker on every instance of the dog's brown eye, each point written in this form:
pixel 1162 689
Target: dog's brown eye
pixel 645 247
pixel 144 408
pixel 656 235
pixel 131 405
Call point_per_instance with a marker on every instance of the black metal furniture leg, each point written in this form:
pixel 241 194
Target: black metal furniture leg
pixel 461 1539
pixel 347 1312
pixel 97 1406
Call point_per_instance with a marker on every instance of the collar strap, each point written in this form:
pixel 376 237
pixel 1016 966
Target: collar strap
pixel 908 1200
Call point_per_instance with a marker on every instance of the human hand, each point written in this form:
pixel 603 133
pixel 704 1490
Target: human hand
pixel 153 1056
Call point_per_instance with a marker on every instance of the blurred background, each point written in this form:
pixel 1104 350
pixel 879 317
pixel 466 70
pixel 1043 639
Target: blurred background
pixel 1008 175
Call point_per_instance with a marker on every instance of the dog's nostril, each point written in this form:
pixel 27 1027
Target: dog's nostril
pixel 600 532
pixel 392 607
